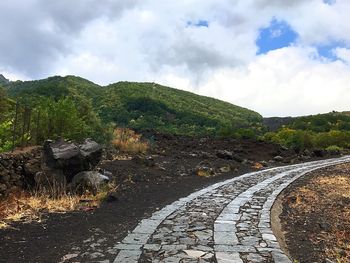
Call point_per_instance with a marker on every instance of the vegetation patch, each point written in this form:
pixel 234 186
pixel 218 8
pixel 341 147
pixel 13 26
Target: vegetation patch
pixel 128 141
pixel 26 207
pixel 333 140
pixel 329 131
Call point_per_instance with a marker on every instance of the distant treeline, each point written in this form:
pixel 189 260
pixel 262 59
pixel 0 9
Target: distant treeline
pixel 316 131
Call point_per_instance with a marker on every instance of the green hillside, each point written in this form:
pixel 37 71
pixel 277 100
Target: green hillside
pixel 315 123
pixel 143 106
pixel 148 105
pixel 53 87
pixel 325 131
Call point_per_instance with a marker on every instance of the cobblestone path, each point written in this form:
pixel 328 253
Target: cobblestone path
pixel 226 222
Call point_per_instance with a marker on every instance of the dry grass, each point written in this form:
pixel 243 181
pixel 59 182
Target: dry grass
pixel 332 188
pixel 204 173
pixel 257 166
pixel 128 141
pixel 28 207
pixel 329 196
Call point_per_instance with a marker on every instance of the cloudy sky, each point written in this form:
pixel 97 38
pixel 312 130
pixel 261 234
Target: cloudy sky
pixel 278 57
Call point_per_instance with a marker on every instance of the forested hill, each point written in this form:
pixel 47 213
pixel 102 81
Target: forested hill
pixel 314 123
pixel 143 105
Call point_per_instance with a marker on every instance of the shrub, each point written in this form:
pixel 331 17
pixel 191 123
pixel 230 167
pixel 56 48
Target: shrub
pixel 126 140
pixel 334 148
pixel 299 139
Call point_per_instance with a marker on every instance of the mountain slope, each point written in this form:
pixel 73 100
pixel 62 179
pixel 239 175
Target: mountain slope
pixel 144 105
pixel 3 80
pixel 55 87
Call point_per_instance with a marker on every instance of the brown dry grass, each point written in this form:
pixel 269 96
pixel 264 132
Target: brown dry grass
pixel 257 166
pixel 28 207
pixel 128 141
pixel 329 196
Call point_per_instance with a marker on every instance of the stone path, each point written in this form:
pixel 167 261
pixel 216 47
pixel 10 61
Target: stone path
pixel 226 222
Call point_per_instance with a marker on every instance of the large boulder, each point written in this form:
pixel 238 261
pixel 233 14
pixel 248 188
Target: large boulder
pixel 70 157
pixel 91 152
pixel 88 180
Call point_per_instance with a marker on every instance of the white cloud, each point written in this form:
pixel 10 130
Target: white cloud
pixel 108 41
pixel 343 54
pixel 320 23
pixel 287 81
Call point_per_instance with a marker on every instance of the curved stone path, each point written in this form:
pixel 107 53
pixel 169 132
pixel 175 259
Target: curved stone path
pixel 226 222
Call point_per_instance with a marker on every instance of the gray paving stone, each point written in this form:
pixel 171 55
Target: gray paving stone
pixel 128 246
pixel 225 227
pixel 152 247
pixel 226 257
pixel 128 256
pixel 136 238
pixel 256 258
pixel 225 238
pixel 234 248
pixel 250 241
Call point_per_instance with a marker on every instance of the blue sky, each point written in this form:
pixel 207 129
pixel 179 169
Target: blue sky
pixel 199 23
pixel 330 2
pixel 279 34
pixel 327 50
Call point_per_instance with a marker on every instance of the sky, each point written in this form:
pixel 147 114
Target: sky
pixel 277 57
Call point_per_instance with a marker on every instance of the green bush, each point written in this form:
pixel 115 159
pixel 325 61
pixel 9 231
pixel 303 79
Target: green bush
pixel 334 148
pixel 300 139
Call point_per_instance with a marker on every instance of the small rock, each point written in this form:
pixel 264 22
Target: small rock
pixel 223 154
pixel 264 163
pixel 324 226
pixel 263 244
pixel 147 161
pixel 278 158
pixel 68 257
pixel 225 169
pixel 96 255
pixel 112 197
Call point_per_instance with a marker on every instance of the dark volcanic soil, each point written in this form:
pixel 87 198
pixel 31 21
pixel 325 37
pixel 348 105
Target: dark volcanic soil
pixel 145 185
pixel 316 216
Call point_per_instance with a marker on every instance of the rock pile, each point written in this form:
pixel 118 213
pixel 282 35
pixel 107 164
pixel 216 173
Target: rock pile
pixel 72 164
pixel 16 169
pixel 71 158
pixel 57 163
